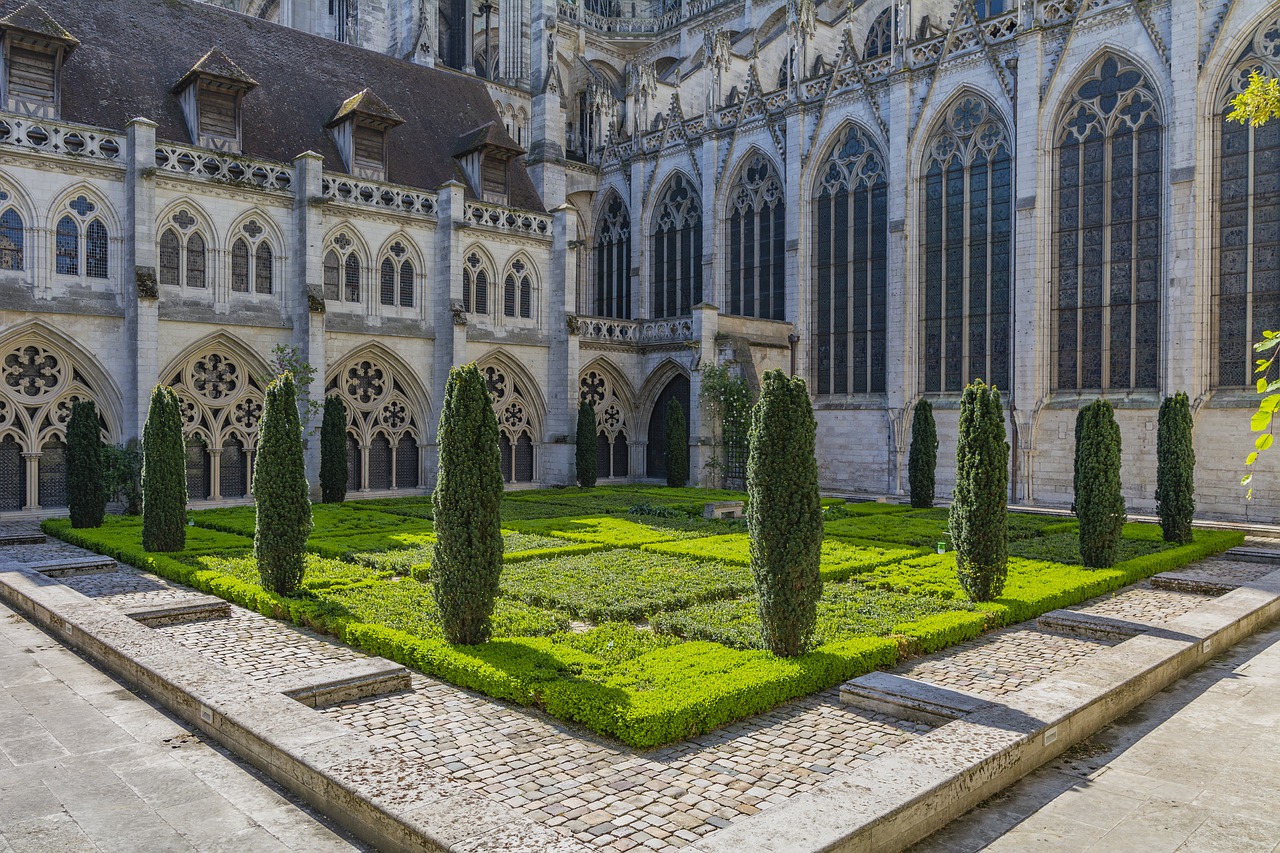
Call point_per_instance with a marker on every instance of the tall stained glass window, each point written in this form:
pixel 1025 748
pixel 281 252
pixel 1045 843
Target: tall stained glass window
pixel 757 243
pixel 677 250
pixel 851 236
pixel 1248 281
pixel 967 246
pixel 612 296
pixel 1107 234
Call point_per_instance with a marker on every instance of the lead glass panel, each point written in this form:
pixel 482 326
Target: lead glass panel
pixel 95 250
pixel 11 240
pixel 407 462
pixel 677 249
pixel 612 296
pixel 757 282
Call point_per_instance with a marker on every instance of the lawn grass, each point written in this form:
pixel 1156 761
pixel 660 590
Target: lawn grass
pixel 620 607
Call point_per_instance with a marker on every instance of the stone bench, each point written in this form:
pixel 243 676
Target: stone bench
pixel 12 537
pixel 192 609
pixel 1251 554
pixel 1194 582
pixel 909 699
pixel 723 509
pixel 342 682
pixel 70 567
pixel 1089 625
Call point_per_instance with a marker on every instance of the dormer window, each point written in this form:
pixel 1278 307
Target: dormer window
pixel 359 130
pixel 35 46
pixel 211 94
pixel 486 154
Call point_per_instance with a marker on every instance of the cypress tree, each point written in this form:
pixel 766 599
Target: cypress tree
pixel 785 518
pixel 677 449
pixel 281 491
pixel 1099 504
pixel 979 523
pixel 333 452
pixel 467 560
pixel 86 484
pixel 586 447
pixel 924 455
pixel 164 474
pixel 1175 471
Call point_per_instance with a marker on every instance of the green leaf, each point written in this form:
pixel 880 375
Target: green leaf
pixel 1263 346
pixel 1262 386
pixel 1251 458
pixel 1270 404
pixel 1260 421
pixel 1246 480
pixel 1264 441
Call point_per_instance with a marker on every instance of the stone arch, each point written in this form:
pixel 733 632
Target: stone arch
pixel 400 248
pixel 521 284
pixel 479 280
pixel 521 412
pixel 603 385
pixel 936 116
pixel 42 374
pixel 814 169
pixel 668 181
pixel 105 209
pixel 669 381
pixel 221 384
pixel 1060 95
pixel 383 397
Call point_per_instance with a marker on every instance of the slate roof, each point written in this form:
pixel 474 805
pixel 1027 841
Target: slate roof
pixel 492 134
pixel 133 52
pixel 33 19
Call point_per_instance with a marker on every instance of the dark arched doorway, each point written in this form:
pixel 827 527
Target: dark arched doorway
pixel 677 389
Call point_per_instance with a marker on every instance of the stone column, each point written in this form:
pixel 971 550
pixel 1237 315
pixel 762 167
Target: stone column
pixel 640 258
pixel 447 317
pixel 1186 334
pixel 558 432
pixel 702 447
pixel 799 291
pixel 1032 284
pixel 304 298
pixel 31 459
pixel 215 474
pixel 902 290
pixel 139 285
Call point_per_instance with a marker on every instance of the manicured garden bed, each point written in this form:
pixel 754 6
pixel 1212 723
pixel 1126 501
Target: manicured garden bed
pixel 623 609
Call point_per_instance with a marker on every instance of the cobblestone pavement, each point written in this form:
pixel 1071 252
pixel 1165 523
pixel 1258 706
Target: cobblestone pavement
pixel 1229 571
pixel 615 797
pixel 1001 661
pixel 598 790
pixel 1144 604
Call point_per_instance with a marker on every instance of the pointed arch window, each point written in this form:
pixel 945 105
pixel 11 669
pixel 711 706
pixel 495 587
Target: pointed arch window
pixel 515 425
pixel 342 269
pixel 613 261
pixel 757 243
pixel 407 283
pixel 880 36
pixel 517 291
pixel 11 238
pixel 677 250
pixel 1248 264
pixel 182 253
pixel 475 285
pixel 252 260
pixel 387 282
pixel 396 277
pixel 81 241
pixel 851 233
pixel 967 245
pixel 1107 233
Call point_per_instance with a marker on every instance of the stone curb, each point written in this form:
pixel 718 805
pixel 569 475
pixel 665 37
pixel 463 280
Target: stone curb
pixel 901 798
pixel 372 792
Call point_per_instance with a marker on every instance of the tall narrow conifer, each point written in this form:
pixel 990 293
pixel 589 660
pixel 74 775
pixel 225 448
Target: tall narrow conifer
pixel 979 508
pixel 1176 469
pixel 281 491
pixel 164 474
pixel 86 483
pixel 923 461
pixel 677 448
pixel 333 451
pixel 586 445
pixel 1099 503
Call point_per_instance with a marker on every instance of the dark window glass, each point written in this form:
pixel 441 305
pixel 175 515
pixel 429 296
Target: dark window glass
pixel 11 240
pixel 406 285
pixel 407 462
pixel 613 261
pixel 240 266
pixel 195 261
pixel 387 282
pixel 351 278
pixel 526 297
pixel 332 275
pixel 95 250
pixel 53 473
pixel 233 470
pixel 677 242
pixel 757 281
pixel 355 466
pixel 262 268
pixel 13 475
pixel 380 462
pixel 170 258
pixel 851 269
pixel 621 455
pixel 67 246
pixel 198 470
pixel 509 296
pixel 523 462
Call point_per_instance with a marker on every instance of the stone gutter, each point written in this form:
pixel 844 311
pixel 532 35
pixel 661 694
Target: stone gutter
pixel 388 801
pixel 904 797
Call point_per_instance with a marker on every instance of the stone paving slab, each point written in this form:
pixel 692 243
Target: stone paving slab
pixel 184 610
pixel 87 765
pixel 887 693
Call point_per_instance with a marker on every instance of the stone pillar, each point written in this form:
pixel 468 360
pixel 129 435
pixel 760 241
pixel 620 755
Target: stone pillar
pixel 215 474
pixel 799 291
pixel 638 453
pixel 31 459
pixel 1032 295
pixel 1186 334
pixel 139 285
pixel 640 258
pixel 447 317
pixel 304 299
pixel 546 125
pixel 713 255
pixel 902 290
pixel 702 447
pixel 558 467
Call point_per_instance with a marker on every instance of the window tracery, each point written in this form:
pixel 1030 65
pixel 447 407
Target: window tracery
pixel 517 290
pixel 516 426
pixel 613 261
pixel 1248 264
pixel 1108 232
pixel 221 403
pixel 12 236
pixel 182 253
pixel 757 242
pixel 475 284
pixel 396 277
pixel 39 384
pixel 342 269
pixel 880 37
pixel 677 250
pixel 967 246
pixel 383 429
pixel 612 454
pixel 81 242
pixel 252 260
pixel 851 229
